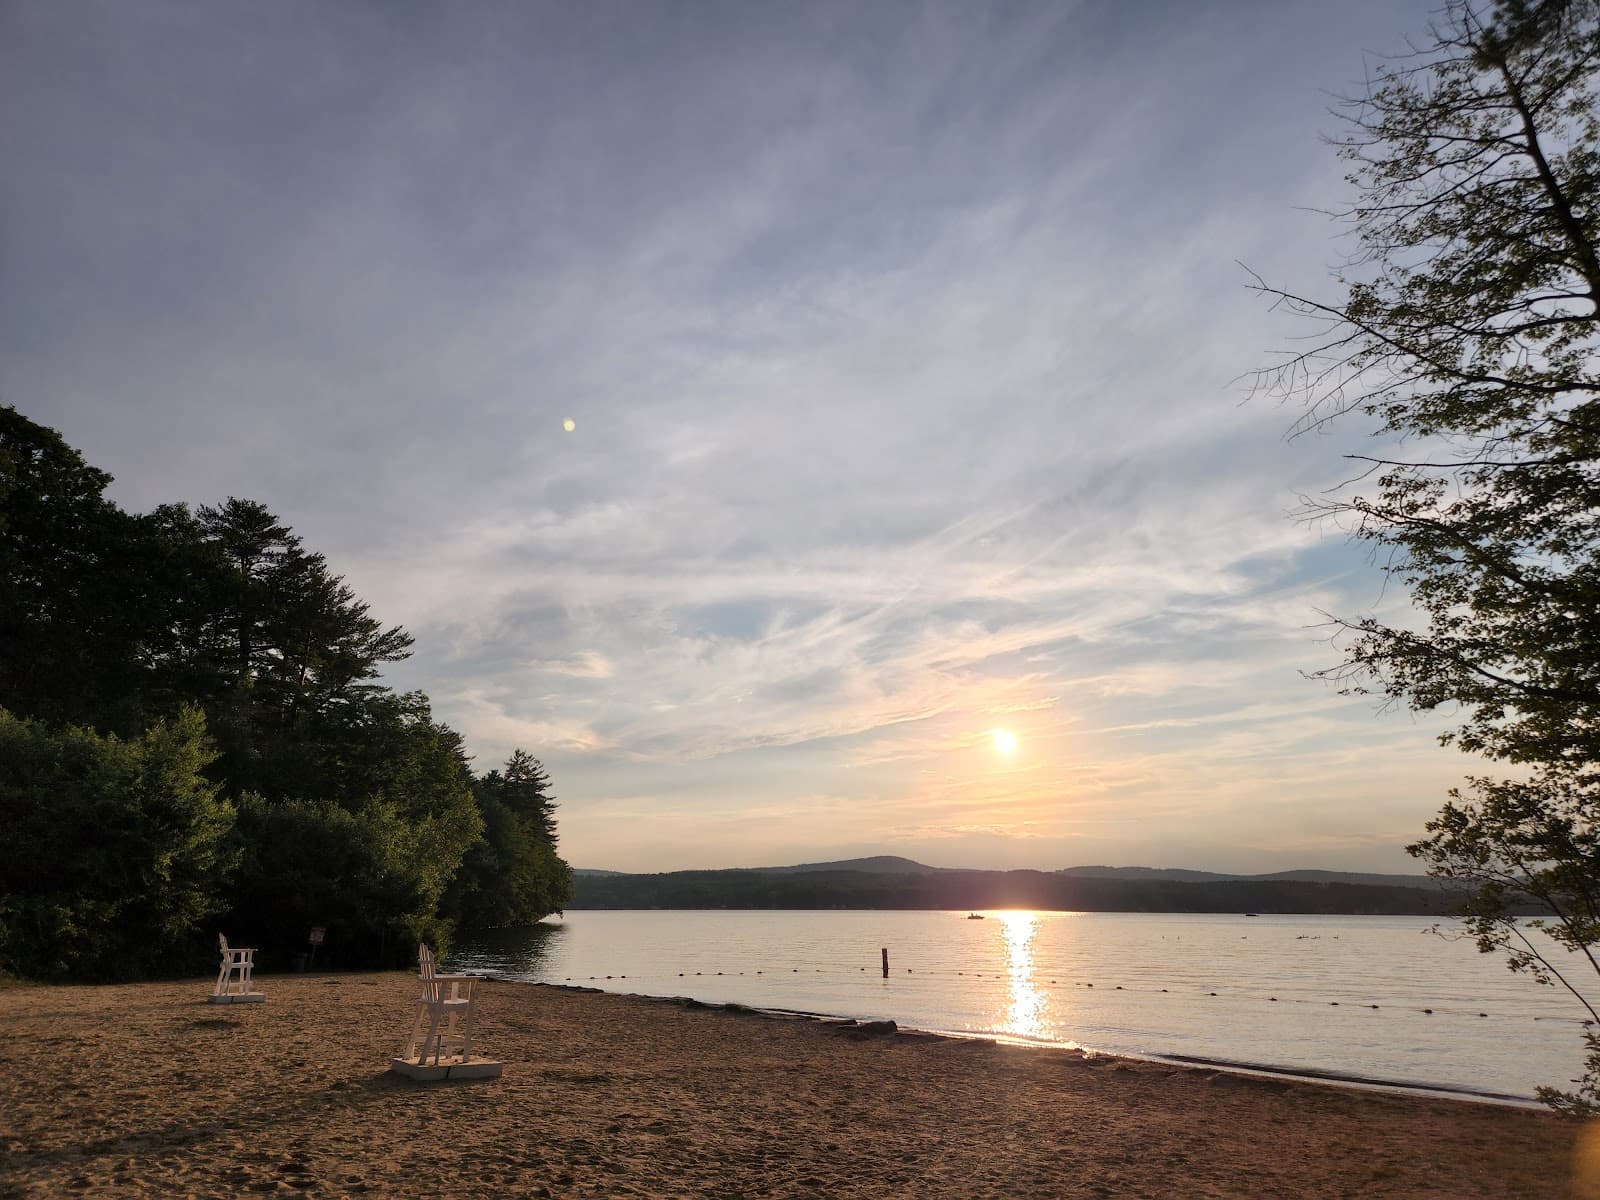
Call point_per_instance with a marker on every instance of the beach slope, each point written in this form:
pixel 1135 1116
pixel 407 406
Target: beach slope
pixel 145 1090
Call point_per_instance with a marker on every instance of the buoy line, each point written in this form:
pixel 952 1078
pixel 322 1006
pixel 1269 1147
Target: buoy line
pixel 1057 981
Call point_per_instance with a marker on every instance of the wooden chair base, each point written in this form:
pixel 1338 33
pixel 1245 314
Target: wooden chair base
pixel 431 1072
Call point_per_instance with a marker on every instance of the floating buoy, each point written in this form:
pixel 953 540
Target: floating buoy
pixel 1274 999
pixel 1211 993
pixel 1483 1014
pixel 1430 1011
pixel 1335 1003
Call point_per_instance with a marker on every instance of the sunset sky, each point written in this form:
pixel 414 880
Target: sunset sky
pixel 752 407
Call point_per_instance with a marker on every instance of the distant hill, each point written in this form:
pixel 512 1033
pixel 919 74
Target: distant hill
pixel 878 864
pixel 890 864
pixel 1178 874
pixel 887 882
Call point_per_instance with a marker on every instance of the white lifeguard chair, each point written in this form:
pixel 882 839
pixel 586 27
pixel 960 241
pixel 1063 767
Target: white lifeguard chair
pixel 440 1043
pixel 235 978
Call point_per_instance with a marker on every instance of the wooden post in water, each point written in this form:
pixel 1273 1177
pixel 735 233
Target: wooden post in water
pixel 886 962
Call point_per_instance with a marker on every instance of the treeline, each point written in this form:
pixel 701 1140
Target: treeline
pixel 947 889
pixel 193 737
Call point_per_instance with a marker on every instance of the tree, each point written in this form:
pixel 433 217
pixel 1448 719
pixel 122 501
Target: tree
pixel 525 790
pixel 74 597
pixel 355 807
pixel 118 848
pixel 286 654
pixel 512 876
pixel 1469 333
pixel 367 820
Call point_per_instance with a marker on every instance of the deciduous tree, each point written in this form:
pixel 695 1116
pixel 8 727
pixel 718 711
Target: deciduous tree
pixel 116 848
pixel 1469 335
pixel 356 808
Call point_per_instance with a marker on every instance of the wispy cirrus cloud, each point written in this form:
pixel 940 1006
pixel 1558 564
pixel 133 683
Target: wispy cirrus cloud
pixel 897 342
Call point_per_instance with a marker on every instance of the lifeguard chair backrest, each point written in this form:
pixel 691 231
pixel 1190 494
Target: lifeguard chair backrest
pixel 430 984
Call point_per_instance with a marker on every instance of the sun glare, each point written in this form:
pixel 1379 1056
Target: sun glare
pixel 1026 1014
pixel 1004 740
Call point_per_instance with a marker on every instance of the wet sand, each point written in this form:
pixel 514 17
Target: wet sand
pixel 145 1090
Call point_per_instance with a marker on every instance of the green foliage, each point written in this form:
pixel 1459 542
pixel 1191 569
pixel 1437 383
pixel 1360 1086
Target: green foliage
pixel 1585 1102
pixel 1517 843
pixel 369 853
pixel 371 877
pixel 117 848
pixel 65 654
pixel 356 807
pixel 1470 331
pixel 513 876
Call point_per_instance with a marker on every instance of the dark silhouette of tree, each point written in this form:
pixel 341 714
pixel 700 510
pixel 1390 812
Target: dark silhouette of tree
pixel 76 601
pixel 355 807
pixel 1469 333
pixel 118 848
pixel 513 876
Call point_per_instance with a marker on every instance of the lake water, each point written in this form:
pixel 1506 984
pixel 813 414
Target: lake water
pixel 1342 996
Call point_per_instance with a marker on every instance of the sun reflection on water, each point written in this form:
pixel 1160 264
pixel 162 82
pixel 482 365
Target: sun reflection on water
pixel 1025 1017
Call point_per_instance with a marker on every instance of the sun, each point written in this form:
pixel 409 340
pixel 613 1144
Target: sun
pixel 1004 740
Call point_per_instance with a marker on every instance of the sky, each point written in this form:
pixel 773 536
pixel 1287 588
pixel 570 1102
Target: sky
pixel 751 407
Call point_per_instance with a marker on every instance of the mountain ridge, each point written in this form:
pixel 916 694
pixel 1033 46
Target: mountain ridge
pixel 890 864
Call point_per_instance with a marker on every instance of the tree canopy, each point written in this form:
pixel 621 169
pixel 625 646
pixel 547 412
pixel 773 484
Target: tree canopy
pixel 116 846
pixel 306 792
pixel 1469 335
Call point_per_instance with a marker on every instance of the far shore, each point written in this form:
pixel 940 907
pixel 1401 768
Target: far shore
pixel 144 1090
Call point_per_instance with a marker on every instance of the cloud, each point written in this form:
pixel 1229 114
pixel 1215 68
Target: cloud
pixel 898 343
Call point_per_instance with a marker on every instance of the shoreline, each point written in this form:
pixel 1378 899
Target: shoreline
pixel 1307 1075
pixel 144 1090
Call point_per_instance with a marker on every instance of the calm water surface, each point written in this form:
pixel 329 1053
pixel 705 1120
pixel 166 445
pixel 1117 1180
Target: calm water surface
pixel 1337 995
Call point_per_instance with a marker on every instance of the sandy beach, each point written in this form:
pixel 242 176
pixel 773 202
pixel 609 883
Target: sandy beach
pixel 145 1090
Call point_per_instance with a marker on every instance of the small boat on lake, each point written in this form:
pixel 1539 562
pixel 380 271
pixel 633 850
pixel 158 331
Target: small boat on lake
pixel 974 916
